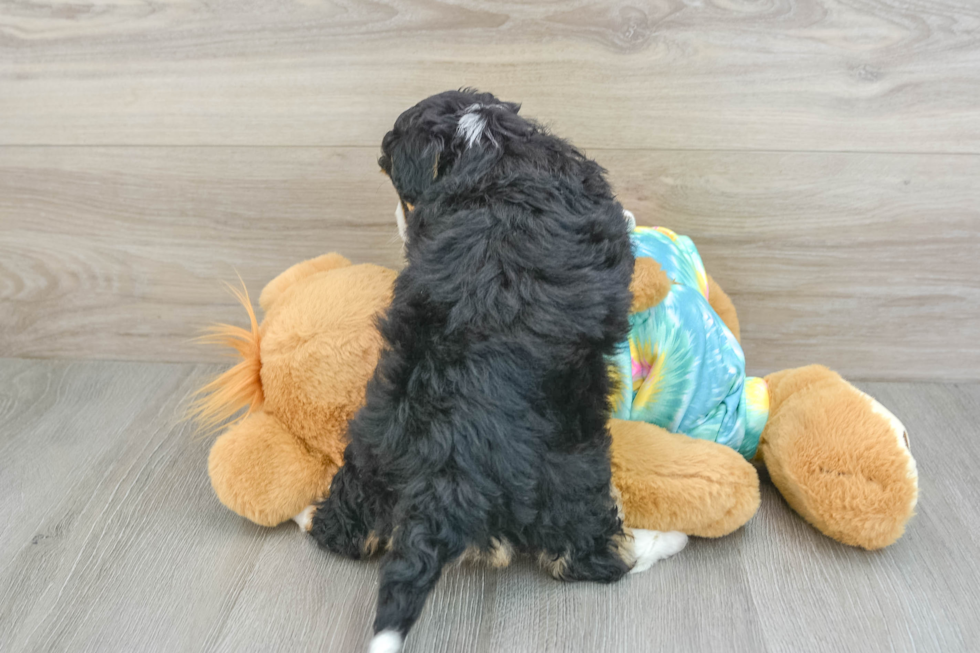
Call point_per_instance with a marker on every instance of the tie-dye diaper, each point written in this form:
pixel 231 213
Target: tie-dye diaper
pixel 681 368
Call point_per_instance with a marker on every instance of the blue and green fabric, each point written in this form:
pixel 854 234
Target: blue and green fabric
pixel 681 368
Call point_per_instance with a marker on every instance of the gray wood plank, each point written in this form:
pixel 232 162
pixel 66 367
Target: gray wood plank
pixel 111 540
pixel 103 502
pixel 920 594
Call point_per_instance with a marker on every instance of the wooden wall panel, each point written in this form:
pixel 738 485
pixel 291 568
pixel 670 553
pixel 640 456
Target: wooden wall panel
pixel 876 75
pixel 823 153
pixel 869 263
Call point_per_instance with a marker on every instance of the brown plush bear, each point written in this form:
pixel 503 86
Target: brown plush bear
pixel 839 458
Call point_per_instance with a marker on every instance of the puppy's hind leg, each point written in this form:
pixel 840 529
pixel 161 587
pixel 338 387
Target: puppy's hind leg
pixel 353 517
pixel 586 540
pixel 595 545
pixel 420 548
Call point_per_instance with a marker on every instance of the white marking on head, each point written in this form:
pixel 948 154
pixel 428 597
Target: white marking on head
pixel 401 222
pixel 473 124
pixel 387 641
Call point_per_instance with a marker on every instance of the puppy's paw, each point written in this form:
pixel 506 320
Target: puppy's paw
pixel 305 519
pixel 652 546
pixel 387 641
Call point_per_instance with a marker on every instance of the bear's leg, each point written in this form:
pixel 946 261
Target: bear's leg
pixel 839 458
pixel 724 307
pixel 671 482
pixel 264 473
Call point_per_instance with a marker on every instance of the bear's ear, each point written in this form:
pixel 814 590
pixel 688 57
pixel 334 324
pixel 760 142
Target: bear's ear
pixel 275 288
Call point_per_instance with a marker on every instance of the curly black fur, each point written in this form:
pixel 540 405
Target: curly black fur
pixel 486 417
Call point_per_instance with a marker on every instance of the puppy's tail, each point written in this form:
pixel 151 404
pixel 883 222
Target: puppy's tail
pixel 419 551
pixel 238 387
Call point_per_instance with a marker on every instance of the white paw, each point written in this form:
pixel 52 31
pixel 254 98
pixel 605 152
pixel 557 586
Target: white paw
pixel 387 641
pixel 305 518
pixel 652 546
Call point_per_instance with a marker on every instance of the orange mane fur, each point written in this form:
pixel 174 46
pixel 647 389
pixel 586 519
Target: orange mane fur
pixel 236 388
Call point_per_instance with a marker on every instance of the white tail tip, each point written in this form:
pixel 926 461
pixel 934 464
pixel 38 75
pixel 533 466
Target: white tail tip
pixel 387 641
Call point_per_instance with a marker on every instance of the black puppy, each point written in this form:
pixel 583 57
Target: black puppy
pixel 484 427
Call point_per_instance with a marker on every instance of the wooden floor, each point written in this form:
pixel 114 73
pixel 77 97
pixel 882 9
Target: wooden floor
pixel 112 540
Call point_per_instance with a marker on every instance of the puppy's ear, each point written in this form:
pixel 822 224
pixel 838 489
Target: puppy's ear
pixel 429 139
pixel 411 160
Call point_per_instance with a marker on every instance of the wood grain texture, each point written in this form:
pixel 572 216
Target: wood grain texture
pixel 100 514
pixel 794 596
pixel 873 75
pixel 112 540
pixel 863 262
pixel 122 252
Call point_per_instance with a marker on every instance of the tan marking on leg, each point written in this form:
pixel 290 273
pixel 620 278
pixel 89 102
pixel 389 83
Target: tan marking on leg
pixel 623 546
pixel 623 542
pixel 371 544
pixel 556 566
pixel 618 498
pixel 501 553
pixel 498 555
pixel 471 555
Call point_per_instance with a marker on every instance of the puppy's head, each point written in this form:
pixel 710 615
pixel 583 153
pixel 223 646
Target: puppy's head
pixel 429 140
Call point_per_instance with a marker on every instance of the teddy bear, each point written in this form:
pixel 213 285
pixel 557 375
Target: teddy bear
pixel 688 427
